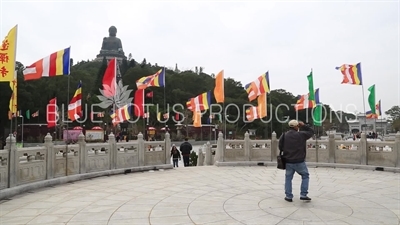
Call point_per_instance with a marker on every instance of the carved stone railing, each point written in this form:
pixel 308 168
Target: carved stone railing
pixel 22 166
pixel 359 152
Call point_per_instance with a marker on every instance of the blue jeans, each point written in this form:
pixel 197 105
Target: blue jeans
pixel 301 169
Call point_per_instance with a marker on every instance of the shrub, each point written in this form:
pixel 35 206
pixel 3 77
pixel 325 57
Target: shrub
pixel 193 159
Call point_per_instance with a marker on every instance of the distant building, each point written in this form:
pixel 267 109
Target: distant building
pixel 362 124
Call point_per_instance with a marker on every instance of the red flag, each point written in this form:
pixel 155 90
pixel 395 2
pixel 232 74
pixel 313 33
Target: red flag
pixel 51 116
pixel 177 116
pixel 149 95
pixel 109 79
pixel 139 102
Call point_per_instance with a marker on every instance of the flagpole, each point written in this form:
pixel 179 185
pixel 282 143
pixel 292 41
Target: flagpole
pixel 165 100
pixel 224 113
pixel 365 112
pixel 271 116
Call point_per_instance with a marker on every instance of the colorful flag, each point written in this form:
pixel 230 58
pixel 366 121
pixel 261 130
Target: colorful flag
pixel 159 117
pixel 262 105
pixel 252 113
pixel 8 51
pixel 303 102
pixel 75 105
pixel 189 105
pixel 36 114
pixel 197 119
pixel 155 80
pixel 28 114
pixel 56 64
pixel 201 102
pixel 149 95
pixel 258 87
pixel 139 103
pixel 378 109
pixel 351 74
pixel 371 99
pixel 317 113
pixel 370 115
pixel 51 115
pixel 100 114
pixel 110 79
pixel 311 96
pixel 122 114
pixel 14 91
pixel 219 92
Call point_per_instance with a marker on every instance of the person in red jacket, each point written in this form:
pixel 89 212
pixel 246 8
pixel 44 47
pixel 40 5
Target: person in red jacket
pixel 293 145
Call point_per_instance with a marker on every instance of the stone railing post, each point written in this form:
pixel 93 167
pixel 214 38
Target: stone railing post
pixel 167 148
pixel 200 158
pixel 13 160
pixel 50 159
pixel 363 150
pixel 274 147
pixel 332 148
pixel 247 146
pixel 141 149
pixel 397 147
pixel 83 153
pixel 219 154
pixel 208 154
pixel 113 151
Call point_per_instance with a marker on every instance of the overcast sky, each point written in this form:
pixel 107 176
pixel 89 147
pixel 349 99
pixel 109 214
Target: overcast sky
pixel 243 38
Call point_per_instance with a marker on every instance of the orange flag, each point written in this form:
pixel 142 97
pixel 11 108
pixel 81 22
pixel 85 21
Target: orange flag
pixel 196 118
pixel 219 92
pixel 262 105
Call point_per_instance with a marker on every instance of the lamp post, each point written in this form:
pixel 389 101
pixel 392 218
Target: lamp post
pixel 283 118
pixel 215 132
pixel 22 131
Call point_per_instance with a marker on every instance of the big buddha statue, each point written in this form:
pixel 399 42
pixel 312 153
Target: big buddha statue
pixel 111 46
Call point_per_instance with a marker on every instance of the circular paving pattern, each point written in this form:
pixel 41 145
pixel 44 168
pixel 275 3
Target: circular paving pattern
pixel 212 195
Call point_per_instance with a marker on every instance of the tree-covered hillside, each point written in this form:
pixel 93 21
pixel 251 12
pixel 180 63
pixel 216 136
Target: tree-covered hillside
pixel 180 86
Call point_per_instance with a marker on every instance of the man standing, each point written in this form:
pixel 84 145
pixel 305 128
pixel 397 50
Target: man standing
pixel 293 145
pixel 185 148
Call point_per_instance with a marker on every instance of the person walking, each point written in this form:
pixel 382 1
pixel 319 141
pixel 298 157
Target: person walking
pixel 176 155
pixel 293 146
pixel 186 148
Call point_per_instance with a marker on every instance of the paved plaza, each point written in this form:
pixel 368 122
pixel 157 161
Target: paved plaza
pixel 212 195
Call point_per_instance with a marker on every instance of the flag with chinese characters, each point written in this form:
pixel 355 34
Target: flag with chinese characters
pixel 13 105
pixel 8 51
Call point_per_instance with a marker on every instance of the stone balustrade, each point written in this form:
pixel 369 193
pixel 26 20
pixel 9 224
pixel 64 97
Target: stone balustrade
pixel 21 167
pixel 330 152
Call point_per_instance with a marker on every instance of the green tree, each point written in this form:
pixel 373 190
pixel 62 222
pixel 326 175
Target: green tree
pixel 394 112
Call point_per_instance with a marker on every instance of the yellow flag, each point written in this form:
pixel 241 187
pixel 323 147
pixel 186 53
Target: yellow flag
pixel 219 92
pixel 159 117
pixel 262 105
pixel 13 100
pixel 196 119
pixel 8 51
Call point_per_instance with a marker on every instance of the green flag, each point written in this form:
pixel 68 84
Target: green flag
pixel 311 95
pixel 317 115
pixel 371 99
pixel 28 114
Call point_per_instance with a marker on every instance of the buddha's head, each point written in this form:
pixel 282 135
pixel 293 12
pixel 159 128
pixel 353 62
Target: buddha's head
pixel 112 31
